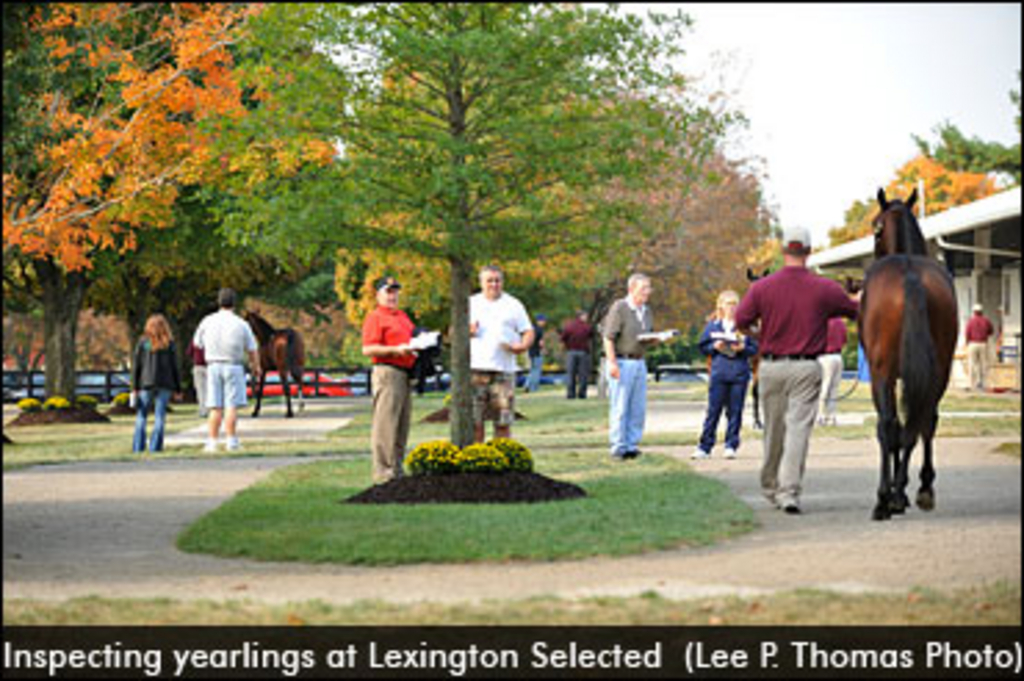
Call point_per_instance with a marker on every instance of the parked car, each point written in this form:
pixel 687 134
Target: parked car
pixel 95 385
pixel 16 389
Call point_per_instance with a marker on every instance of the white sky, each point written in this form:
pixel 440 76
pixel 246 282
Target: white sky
pixel 834 92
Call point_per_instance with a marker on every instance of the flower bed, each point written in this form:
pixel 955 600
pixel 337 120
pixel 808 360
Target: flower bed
pixel 500 471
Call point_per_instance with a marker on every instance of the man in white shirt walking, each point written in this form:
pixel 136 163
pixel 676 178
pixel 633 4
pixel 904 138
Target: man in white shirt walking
pixel 226 339
pixel 499 329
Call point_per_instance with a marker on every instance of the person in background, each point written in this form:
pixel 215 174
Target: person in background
pixel 499 329
pixel 793 306
pixel 979 330
pixel 154 378
pixel 577 335
pixel 537 355
pixel 198 358
pixel 626 320
pixel 387 332
pixel 730 354
pixel 831 371
pixel 226 339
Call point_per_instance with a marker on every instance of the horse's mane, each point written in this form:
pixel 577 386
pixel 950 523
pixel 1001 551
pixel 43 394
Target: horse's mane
pixel 262 326
pixel 909 238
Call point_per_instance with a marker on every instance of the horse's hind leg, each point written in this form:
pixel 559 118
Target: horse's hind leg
pixel 298 380
pixel 899 501
pixel 889 442
pixel 287 389
pixel 925 493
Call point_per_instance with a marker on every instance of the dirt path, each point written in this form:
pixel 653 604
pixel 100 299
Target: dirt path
pixel 109 529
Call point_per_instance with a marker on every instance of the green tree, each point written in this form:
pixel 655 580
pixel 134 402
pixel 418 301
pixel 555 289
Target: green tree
pixel 464 132
pixel 957 152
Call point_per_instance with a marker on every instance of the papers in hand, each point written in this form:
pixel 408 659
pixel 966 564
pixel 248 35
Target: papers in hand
pixel 660 336
pixel 425 340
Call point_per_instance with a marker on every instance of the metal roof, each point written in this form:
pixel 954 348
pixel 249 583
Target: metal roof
pixel 970 216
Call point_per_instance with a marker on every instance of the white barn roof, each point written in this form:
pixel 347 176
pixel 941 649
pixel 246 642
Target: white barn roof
pixel 958 219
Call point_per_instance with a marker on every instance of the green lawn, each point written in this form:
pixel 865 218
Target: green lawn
pixel 297 514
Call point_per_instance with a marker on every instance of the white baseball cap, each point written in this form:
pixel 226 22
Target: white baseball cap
pixel 796 240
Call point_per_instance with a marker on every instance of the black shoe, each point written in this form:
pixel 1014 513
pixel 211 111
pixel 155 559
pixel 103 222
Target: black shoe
pixel 791 509
pixel 632 454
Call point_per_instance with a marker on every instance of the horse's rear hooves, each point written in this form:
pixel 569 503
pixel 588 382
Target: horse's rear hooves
pixel 926 501
pixel 881 513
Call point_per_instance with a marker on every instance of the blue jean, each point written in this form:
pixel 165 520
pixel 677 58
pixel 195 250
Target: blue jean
pixel 156 443
pixel 730 395
pixel 627 406
pixel 533 380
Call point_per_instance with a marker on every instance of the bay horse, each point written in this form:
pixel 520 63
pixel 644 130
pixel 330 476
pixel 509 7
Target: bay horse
pixel 282 350
pixel 908 327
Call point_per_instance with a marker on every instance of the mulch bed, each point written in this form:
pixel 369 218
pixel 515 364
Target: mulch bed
pixel 485 488
pixel 442 416
pixel 38 418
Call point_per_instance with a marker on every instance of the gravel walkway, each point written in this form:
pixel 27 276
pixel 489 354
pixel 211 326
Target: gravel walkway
pixel 108 529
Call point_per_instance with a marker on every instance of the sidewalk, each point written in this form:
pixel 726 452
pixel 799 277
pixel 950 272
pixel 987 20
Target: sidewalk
pixel 313 423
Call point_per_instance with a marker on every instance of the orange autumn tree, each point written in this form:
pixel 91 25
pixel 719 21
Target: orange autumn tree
pixel 102 111
pixel 943 189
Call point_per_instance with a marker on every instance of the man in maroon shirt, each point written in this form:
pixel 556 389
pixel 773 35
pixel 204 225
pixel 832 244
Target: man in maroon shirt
pixel 577 336
pixel 793 306
pixel 977 333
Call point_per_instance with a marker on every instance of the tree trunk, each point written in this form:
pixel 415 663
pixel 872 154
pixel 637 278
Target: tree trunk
pixel 462 396
pixel 63 293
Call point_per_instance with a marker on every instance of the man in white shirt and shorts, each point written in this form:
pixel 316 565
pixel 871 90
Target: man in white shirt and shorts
pixel 226 339
pixel 499 329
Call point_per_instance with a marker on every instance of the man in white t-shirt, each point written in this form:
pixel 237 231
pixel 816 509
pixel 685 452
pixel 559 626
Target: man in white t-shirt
pixel 226 340
pixel 499 329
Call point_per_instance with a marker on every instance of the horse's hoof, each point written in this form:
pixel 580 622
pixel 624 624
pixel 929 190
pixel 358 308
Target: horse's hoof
pixel 881 512
pixel 926 500
pixel 898 505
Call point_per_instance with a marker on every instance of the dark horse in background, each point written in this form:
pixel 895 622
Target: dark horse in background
pixel 755 363
pixel 908 326
pixel 282 350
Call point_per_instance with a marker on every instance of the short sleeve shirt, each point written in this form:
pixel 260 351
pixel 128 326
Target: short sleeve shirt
pixel 624 323
pixel 794 306
pixel 225 337
pixel 385 326
pixel 502 321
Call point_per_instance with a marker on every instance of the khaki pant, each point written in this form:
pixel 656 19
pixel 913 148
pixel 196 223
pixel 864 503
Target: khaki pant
pixel 789 396
pixel 392 410
pixel 831 375
pixel 977 361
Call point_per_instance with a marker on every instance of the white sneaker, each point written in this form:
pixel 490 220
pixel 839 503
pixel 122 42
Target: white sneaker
pixel 233 444
pixel 210 447
pixel 730 453
pixel 700 454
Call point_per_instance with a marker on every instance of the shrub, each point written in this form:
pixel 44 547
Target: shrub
pixel 431 458
pixel 121 399
pixel 482 458
pixel 56 403
pixel 30 404
pixel 86 402
pixel 518 455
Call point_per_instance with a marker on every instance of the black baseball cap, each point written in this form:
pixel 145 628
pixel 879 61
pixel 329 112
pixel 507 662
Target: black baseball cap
pixel 386 283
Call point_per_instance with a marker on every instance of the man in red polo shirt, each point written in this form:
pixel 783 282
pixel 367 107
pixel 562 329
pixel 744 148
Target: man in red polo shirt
pixel 386 335
pixel 794 306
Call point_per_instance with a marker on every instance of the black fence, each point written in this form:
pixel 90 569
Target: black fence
pixel 106 385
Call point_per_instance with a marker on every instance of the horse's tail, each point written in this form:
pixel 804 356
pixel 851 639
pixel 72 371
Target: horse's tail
pixel 917 355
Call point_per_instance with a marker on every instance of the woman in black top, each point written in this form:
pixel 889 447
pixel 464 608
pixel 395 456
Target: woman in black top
pixel 154 378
